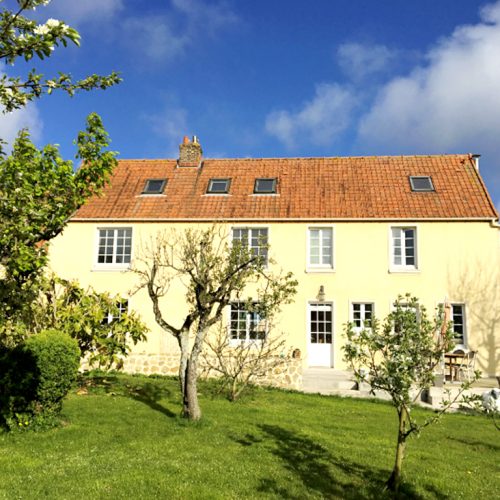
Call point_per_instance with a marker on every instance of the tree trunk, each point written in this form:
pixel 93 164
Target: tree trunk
pixel 395 480
pixel 190 405
pixel 183 341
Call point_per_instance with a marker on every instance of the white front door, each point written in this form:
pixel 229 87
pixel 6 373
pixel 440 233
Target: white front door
pixel 320 334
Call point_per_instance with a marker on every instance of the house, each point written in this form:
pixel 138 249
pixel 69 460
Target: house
pixel 356 233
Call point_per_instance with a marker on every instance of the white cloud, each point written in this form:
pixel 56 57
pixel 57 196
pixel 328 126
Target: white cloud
pixel 155 38
pixel 209 16
pixel 161 38
pixel 319 120
pixel 171 125
pixel 12 123
pixel 451 103
pixel 359 60
pixel 80 11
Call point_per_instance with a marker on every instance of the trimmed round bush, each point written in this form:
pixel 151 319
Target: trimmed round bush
pixel 35 377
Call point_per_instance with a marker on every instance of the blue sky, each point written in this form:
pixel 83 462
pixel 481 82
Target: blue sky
pixel 277 78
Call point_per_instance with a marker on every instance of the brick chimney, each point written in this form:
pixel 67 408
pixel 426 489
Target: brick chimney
pixel 189 153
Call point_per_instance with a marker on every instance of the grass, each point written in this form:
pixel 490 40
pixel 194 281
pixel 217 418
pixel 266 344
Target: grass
pixel 125 440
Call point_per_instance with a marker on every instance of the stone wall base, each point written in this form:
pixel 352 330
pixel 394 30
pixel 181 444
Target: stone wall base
pixel 286 376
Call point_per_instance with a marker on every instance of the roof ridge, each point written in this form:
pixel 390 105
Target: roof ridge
pixel 253 158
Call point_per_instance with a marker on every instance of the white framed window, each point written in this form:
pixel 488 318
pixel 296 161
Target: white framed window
pixel 255 238
pixel 458 322
pixel 114 247
pixel 403 249
pixel 245 325
pixel 362 314
pixel 320 248
pixel 459 328
pixel 122 308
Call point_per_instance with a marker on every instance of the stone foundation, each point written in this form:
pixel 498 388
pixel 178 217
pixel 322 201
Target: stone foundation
pixel 286 376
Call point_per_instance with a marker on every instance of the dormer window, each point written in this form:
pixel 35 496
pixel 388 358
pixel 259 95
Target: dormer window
pixel 265 186
pixel 154 186
pixel 218 186
pixel 421 183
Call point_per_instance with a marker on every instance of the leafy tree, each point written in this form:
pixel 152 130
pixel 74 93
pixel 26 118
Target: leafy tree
pixel 401 357
pixel 104 333
pixel 39 190
pixel 211 273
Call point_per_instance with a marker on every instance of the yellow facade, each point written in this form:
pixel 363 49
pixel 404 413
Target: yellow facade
pixel 456 261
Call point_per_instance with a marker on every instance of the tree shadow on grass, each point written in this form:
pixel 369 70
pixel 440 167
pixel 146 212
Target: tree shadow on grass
pixel 322 473
pixel 474 442
pixel 151 394
pixel 147 392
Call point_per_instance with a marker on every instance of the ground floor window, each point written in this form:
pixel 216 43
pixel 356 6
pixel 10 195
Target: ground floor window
pixel 122 308
pixel 362 314
pixel 244 324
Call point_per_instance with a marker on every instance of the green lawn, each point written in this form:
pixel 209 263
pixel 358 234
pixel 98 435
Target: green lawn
pixel 125 440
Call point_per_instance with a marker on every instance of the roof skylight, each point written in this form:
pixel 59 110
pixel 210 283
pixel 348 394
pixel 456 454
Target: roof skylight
pixel 421 183
pixel 154 186
pixel 265 186
pixel 218 186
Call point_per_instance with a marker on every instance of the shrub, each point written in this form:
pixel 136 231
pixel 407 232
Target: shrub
pixel 34 379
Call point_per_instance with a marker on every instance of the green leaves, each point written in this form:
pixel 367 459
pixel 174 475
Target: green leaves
pixel 22 37
pixel 103 332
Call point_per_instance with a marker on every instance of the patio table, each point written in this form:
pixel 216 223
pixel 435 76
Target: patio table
pixel 453 360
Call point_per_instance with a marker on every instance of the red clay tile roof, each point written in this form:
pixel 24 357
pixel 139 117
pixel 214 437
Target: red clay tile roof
pixel 307 188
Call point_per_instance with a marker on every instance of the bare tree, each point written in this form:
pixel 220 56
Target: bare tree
pixel 212 272
pixel 241 362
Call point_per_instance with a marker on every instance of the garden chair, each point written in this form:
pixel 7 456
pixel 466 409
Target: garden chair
pixel 467 366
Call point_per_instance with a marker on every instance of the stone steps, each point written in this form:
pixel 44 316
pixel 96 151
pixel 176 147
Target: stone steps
pixel 331 382
pixel 327 381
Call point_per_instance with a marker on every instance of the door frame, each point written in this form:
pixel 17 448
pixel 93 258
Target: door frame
pixel 308 332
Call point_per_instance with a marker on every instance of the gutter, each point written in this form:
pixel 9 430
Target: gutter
pixel 268 220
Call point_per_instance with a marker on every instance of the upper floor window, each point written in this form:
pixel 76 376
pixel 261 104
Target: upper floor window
pixel 404 248
pixel 254 238
pixel 246 325
pixel 265 186
pixel 154 186
pixel 115 246
pixel 320 247
pixel 218 186
pixel 421 183
pixel 362 315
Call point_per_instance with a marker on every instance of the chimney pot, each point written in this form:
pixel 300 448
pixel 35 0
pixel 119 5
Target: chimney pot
pixel 475 159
